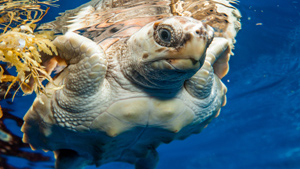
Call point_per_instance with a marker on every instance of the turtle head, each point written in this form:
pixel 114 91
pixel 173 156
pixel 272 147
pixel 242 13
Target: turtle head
pixel 164 53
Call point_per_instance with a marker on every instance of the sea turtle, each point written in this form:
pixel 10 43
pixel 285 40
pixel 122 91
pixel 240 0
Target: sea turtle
pixel 138 74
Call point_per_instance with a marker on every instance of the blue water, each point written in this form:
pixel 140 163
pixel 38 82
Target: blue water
pixel 259 128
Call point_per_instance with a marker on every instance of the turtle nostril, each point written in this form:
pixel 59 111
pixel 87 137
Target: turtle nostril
pixel 199 31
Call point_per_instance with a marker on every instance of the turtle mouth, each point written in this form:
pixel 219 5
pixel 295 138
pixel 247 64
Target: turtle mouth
pixel 180 65
pixel 184 64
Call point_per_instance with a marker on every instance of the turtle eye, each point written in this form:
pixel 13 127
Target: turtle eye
pixel 165 35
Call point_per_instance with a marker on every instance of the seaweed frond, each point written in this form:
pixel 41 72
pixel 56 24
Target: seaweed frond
pixel 1 112
pixel 22 51
pixel 21 47
pixel 14 13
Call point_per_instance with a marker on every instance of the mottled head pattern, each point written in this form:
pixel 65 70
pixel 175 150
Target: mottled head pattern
pixel 165 53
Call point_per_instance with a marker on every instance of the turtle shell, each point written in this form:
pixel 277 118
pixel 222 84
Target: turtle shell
pixel 107 21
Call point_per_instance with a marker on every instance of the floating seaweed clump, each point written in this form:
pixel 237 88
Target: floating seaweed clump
pixel 25 50
pixel 20 47
pixel 14 13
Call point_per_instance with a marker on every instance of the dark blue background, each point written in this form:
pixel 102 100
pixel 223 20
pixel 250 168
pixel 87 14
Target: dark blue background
pixel 259 128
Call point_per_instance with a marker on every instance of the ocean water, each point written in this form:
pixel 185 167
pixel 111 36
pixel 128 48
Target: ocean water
pixel 259 128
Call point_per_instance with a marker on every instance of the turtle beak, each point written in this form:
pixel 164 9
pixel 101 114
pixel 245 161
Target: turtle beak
pixel 192 55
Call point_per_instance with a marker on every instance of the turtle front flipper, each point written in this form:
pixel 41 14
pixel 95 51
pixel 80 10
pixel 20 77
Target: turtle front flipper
pixel 206 83
pixel 83 81
pixel 86 62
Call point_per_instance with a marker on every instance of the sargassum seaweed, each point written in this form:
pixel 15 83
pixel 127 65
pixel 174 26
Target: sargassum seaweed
pixel 21 49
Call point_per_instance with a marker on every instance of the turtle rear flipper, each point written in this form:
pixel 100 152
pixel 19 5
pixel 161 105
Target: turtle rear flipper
pixel 69 159
pixel 148 162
